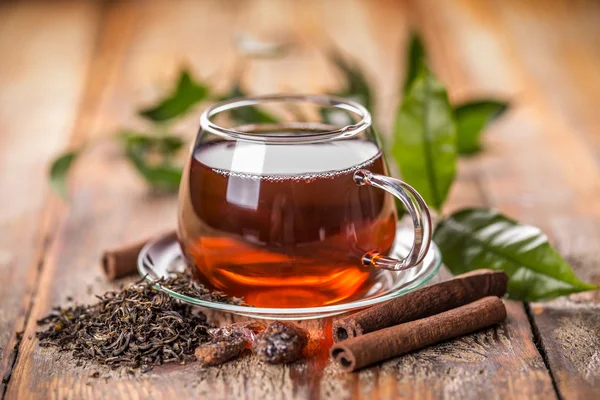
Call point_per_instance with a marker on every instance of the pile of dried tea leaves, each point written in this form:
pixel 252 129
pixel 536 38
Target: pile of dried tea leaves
pixel 137 327
pixel 182 282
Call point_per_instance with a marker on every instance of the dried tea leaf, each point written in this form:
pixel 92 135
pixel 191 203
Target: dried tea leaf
pixel 137 327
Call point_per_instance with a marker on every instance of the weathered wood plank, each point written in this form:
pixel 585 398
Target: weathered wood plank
pixel 569 328
pixel 526 377
pixel 133 54
pixel 551 140
pixel 565 90
pixel 81 260
pixel 141 47
pixel 496 363
pixel 42 74
pixel 519 372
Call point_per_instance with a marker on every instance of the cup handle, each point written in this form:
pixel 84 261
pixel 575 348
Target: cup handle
pixel 419 212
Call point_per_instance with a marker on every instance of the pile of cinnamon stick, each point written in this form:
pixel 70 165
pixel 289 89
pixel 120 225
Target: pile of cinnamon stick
pixel 436 313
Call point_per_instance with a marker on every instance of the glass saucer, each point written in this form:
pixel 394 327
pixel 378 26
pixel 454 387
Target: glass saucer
pixel 162 255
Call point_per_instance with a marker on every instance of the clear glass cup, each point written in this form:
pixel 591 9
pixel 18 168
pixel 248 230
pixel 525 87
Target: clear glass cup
pixel 290 211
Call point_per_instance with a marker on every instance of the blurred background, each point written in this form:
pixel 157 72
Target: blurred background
pixel 78 70
pixel 74 72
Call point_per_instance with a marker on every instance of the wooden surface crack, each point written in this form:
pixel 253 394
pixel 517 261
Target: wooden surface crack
pixel 13 357
pixel 539 344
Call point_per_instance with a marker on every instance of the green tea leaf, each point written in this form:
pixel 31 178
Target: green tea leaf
pixel 415 58
pixel 247 114
pixel 186 94
pixel 472 118
pixel 424 138
pixel 164 177
pixel 479 238
pixel 356 85
pixel 152 156
pixel 166 145
pixel 59 171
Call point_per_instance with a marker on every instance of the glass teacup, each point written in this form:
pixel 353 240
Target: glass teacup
pixel 290 213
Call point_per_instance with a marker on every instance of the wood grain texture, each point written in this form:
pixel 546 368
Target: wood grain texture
pixel 477 47
pixel 42 75
pixel 569 328
pixel 496 363
pixel 542 59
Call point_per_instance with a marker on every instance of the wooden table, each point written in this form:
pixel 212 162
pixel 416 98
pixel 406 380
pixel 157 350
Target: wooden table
pixel 71 72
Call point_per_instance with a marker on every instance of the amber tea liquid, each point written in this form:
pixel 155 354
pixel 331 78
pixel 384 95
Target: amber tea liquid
pixel 284 225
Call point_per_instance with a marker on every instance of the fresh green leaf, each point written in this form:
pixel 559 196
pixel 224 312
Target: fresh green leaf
pixel 59 172
pixel 164 177
pixel 424 138
pixel 415 57
pixel 356 85
pixel 187 93
pixel 479 238
pixel 166 145
pixel 247 114
pixel 472 118
pixel 152 156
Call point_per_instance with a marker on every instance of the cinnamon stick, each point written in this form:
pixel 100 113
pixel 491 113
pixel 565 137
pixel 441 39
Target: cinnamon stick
pixel 360 351
pixel 122 261
pixel 431 300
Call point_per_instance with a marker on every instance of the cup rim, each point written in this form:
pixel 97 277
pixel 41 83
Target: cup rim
pixel 326 135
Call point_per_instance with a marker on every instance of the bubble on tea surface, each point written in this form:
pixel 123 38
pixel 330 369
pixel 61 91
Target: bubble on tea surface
pixel 279 163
